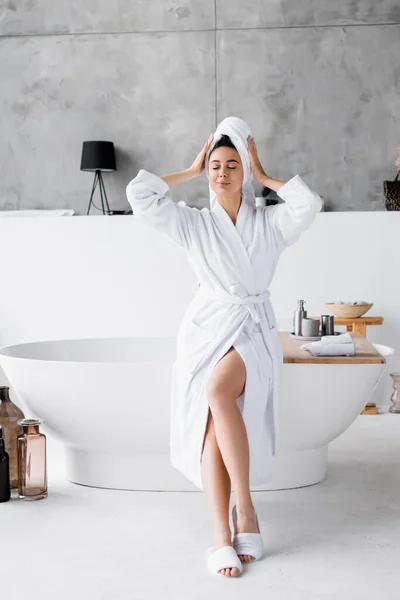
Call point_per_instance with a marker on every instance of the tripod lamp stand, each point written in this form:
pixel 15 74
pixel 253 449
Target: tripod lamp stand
pixel 98 157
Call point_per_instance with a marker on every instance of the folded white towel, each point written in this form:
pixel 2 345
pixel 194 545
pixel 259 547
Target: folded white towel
pixel 342 338
pixel 330 349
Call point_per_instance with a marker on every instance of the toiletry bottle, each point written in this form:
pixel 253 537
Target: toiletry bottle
pixel 299 315
pixel 9 415
pixel 32 469
pixel 5 490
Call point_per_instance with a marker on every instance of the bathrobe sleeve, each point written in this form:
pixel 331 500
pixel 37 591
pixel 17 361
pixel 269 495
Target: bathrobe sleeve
pixel 289 219
pixel 146 194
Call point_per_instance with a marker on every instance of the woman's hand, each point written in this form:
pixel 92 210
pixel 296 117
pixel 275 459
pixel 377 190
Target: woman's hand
pixel 199 162
pixel 258 172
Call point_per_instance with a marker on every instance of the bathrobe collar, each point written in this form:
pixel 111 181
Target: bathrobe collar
pixel 238 237
pixel 223 215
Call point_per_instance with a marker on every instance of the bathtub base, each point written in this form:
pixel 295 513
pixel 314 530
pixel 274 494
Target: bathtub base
pixel 297 469
pixel 154 472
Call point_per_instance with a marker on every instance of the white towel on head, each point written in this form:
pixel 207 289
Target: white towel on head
pixel 238 131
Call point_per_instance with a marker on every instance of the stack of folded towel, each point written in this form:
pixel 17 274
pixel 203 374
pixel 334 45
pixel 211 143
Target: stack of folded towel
pixel 333 345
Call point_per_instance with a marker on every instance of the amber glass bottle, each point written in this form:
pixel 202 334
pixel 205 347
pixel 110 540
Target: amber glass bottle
pixel 9 415
pixel 32 468
pixel 5 490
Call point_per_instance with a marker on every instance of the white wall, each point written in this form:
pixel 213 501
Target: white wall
pixel 112 276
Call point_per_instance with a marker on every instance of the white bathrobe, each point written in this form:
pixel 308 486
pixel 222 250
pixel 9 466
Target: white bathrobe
pixel 234 265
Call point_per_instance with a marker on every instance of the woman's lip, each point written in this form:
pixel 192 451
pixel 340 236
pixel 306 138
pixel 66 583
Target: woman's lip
pixel 219 183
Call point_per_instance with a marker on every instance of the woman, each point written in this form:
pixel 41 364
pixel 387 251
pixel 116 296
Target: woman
pixel 225 379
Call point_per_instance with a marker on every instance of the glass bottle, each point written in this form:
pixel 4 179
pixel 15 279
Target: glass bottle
pixel 32 468
pixel 5 491
pixel 395 397
pixel 9 415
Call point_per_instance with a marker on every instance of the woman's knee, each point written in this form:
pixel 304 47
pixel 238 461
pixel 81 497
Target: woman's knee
pixel 210 435
pixel 215 392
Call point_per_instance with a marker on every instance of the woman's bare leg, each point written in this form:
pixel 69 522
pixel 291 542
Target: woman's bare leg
pixel 225 385
pixel 217 487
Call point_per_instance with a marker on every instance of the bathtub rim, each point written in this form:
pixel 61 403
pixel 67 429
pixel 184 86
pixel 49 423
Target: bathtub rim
pixel 171 360
pixel 334 360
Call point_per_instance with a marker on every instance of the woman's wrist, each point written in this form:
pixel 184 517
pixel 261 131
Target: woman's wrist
pixel 272 184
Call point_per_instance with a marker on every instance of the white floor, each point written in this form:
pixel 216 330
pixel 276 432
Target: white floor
pixel 337 539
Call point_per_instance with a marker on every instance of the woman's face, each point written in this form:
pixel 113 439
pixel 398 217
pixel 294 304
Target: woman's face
pixel 225 166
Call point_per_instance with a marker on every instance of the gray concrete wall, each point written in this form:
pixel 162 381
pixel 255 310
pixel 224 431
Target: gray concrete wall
pixel 319 84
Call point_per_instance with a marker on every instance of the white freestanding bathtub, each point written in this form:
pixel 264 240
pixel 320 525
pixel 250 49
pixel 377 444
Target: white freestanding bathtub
pixel 107 400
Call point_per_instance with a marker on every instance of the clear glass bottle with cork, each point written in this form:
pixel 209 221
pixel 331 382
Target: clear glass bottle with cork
pixel 32 467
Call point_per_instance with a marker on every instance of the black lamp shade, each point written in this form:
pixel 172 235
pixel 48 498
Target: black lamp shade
pixel 98 156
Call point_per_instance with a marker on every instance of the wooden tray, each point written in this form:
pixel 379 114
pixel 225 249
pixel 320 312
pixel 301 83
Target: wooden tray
pixel 365 352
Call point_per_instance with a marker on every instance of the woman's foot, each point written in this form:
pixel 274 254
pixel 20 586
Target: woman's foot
pixel 246 523
pixel 224 538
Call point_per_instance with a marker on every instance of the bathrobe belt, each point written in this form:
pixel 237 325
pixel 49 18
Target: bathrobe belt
pixel 247 301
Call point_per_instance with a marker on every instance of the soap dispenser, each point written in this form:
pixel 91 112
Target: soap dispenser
pixel 32 469
pixel 5 489
pixel 299 315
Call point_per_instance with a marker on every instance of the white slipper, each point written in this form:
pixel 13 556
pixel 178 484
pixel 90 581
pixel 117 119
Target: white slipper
pixel 247 543
pixel 223 558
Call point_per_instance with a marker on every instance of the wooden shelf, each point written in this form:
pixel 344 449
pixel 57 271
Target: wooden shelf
pixel 357 324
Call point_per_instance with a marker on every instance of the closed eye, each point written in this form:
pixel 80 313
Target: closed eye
pixel 232 168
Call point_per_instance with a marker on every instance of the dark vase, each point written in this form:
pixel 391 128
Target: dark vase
pixel 9 415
